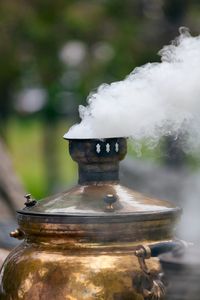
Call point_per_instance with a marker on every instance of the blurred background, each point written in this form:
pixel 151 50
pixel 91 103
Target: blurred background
pixel 52 55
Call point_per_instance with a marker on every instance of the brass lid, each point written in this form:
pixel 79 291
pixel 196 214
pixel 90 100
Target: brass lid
pixel 107 200
pixel 99 197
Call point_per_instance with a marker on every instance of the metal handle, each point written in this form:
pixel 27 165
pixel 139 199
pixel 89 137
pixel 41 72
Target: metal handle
pixel 154 250
pixel 157 288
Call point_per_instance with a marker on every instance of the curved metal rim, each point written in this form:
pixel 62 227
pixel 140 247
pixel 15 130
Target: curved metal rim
pixel 97 218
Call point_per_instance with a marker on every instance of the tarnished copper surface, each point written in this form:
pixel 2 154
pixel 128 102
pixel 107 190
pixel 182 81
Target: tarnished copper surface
pixel 80 244
pixel 48 270
pixel 155 229
pixel 82 261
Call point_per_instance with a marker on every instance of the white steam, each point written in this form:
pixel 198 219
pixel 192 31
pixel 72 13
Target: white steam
pixel 155 100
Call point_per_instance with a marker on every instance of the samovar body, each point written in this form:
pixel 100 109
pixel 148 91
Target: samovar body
pixel 80 244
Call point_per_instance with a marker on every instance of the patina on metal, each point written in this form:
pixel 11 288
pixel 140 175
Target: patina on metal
pixel 80 244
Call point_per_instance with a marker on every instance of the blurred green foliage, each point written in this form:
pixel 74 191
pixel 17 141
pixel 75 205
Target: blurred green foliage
pixel 25 140
pixel 66 49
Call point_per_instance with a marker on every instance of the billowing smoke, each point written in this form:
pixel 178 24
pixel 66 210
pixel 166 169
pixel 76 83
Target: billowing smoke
pixel 155 100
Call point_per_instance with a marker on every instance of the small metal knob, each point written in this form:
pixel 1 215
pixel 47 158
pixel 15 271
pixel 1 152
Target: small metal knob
pixel 29 201
pixel 17 234
pixel 110 199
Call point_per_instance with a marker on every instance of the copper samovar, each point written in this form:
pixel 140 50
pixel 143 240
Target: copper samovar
pixel 92 241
